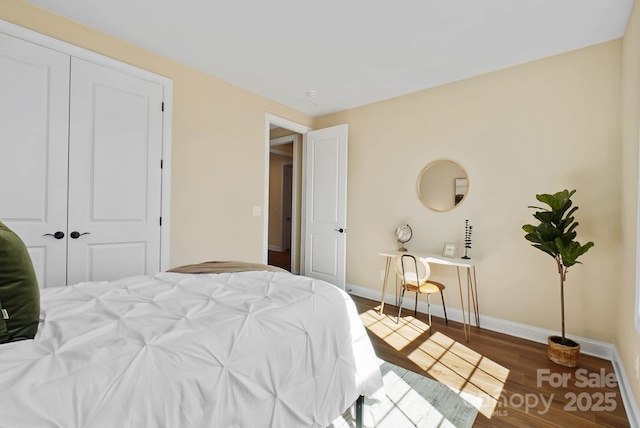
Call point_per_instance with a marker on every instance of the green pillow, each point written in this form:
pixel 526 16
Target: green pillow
pixel 19 292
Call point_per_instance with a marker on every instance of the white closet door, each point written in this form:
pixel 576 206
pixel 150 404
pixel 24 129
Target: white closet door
pixel 115 149
pixel 34 119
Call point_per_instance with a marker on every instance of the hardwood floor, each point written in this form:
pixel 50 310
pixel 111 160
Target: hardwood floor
pixel 280 258
pixel 510 380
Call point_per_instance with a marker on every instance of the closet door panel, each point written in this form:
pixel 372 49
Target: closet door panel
pixel 34 116
pixel 115 151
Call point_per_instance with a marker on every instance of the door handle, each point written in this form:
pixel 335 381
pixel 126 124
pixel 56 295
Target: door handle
pixel 58 235
pixel 75 234
pixel 341 230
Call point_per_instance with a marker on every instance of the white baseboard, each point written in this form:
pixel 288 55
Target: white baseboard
pixel 628 399
pixel 275 248
pixel 595 348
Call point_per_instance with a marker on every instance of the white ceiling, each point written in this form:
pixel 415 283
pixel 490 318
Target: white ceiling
pixel 351 52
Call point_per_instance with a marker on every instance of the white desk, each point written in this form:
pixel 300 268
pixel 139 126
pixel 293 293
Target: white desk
pixel 472 289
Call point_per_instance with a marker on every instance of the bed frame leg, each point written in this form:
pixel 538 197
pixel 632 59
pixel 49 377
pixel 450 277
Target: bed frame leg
pixel 360 412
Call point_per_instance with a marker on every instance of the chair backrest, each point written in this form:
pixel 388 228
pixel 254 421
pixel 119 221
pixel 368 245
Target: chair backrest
pixel 406 267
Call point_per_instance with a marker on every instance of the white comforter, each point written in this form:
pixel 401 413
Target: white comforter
pixel 251 349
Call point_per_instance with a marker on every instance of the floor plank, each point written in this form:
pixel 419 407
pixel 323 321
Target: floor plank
pixel 509 379
pixel 281 259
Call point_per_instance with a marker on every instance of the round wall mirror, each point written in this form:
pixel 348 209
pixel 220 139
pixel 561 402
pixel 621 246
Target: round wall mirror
pixel 442 185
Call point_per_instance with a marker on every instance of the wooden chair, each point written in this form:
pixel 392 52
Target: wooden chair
pixel 414 274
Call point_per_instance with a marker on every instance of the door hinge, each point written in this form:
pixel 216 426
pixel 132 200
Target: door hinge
pixel 161 164
pixel 162 108
pixel 160 221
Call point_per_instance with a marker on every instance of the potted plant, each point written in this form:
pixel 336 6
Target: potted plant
pixel 556 236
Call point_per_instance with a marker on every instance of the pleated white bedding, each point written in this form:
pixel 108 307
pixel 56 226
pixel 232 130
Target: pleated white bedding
pixel 251 349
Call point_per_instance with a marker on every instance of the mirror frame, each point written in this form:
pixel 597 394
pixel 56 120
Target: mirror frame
pixel 424 170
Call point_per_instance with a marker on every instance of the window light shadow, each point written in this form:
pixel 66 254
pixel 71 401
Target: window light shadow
pixel 476 378
pixel 397 335
pixel 408 405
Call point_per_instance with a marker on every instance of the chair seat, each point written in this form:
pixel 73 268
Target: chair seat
pixel 426 287
pixel 414 274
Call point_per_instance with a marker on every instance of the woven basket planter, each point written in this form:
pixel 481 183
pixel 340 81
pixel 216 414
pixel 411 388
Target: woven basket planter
pixel 564 355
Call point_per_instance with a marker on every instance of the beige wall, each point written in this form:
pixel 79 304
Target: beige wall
pixel 536 128
pixel 627 338
pixel 218 144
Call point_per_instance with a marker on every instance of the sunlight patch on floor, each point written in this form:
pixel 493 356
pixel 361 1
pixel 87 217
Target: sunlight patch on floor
pixel 476 378
pixel 398 335
pixel 479 380
pixel 404 407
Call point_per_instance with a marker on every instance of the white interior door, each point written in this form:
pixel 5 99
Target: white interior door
pixel 326 204
pixel 34 120
pixel 115 152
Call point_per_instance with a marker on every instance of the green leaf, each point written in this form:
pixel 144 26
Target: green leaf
pixel 547 232
pixel 547 199
pixel 558 202
pixel 565 204
pixel 572 251
pixel 533 238
pixel 546 217
pixel 549 247
pixel 572 227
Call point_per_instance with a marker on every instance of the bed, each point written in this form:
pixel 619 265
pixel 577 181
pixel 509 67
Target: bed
pixel 248 347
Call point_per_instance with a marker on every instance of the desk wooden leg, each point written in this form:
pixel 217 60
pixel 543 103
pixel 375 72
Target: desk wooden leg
pixel 470 298
pixel 466 326
pixel 473 287
pixel 384 283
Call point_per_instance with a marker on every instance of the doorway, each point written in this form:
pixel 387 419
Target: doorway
pixel 283 201
pixel 283 193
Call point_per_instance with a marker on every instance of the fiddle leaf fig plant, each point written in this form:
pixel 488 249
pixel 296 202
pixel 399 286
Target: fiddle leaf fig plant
pixel 556 236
